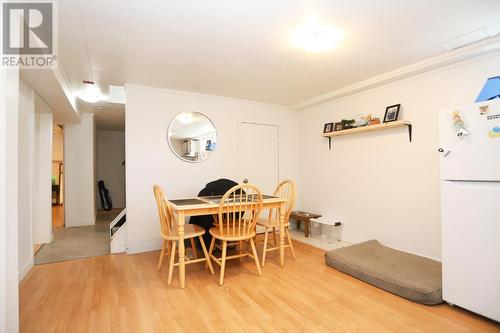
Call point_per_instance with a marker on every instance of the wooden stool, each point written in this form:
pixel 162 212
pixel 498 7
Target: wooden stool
pixel 304 217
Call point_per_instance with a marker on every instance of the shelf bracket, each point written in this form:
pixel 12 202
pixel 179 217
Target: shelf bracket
pixel 409 131
pixel 330 143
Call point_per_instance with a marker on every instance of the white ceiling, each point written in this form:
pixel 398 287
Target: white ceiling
pixel 242 49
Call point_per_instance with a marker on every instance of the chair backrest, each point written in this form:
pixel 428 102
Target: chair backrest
pixel 285 190
pixel 164 211
pixel 239 210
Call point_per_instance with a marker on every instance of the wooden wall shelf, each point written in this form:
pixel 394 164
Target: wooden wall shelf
pixel 393 124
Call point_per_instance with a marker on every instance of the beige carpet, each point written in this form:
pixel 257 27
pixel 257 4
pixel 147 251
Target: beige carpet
pixel 78 242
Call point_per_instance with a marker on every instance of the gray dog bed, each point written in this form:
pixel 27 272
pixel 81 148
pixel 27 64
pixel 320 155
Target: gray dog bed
pixel 407 275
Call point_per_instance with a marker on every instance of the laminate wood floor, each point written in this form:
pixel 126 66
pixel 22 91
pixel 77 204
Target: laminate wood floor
pixel 125 293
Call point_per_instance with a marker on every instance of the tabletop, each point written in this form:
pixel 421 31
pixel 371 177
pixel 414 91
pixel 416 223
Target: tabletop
pixel 201 203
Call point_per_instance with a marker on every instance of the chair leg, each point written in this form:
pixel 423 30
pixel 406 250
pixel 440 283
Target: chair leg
pixel 223 262
pixel 274 236
pixel 162 253
pixel 172 260
pixel 264 249
pixel 290 242
pixel 255 256
pixel 193 246
pixel 209 262
pixel 210 249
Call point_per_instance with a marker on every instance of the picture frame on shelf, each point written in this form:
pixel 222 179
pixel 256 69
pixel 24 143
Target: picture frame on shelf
pixel 391 113
pixel 328 128
pixel 338 126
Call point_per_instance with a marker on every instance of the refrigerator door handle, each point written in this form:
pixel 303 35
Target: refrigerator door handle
pixel 444 152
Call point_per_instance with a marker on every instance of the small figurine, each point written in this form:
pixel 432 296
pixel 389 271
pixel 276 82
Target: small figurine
pixel 364 120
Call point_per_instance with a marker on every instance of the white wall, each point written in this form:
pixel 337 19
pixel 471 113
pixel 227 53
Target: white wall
pixel 26 163
pixel 110 155
pixel 150 160
pixel 378 183
pixel 79 177
pixel 34 171
pixel 43 172
pixel 9 303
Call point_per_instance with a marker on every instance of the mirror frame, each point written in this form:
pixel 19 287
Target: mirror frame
pixel 170 144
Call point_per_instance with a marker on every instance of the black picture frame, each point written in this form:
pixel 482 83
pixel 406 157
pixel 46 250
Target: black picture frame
pixel 392 113
pixel 339 126
pixel 328 128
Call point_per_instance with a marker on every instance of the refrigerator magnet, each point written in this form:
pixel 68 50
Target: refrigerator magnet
pixel 457 119
pixel 462 133
pixel 484 109
pixel 494 132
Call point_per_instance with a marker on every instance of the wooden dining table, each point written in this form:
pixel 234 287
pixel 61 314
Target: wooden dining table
pixel 183 208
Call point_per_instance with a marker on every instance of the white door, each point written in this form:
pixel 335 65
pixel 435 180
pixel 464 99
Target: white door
pixel 471 246
pixel 475 156
pixel 259 156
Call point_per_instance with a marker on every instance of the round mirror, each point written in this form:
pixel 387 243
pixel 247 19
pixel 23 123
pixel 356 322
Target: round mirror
pixel 192 136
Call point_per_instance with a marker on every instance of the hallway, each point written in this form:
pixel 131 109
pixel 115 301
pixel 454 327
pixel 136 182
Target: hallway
pixel 78 242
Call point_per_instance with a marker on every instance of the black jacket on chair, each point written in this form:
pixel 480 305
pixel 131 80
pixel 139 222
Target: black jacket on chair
pixel 217 187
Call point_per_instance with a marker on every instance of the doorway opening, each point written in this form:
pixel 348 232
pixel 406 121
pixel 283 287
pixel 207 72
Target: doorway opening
pixel 58 177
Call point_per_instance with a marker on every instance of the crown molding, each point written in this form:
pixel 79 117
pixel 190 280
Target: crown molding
pixel 464 53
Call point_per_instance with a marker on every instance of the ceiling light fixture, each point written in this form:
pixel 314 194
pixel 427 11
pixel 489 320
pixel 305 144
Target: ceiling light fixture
pixel 90 93
pixel 186 117
pixel 316 38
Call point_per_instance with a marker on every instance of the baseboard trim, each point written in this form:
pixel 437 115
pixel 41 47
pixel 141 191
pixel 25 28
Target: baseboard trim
pixel 25 269
pixel 144 247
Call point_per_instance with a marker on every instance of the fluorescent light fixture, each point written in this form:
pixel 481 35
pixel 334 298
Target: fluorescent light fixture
pixel 468 38
pixel 316 38
pixel 91 94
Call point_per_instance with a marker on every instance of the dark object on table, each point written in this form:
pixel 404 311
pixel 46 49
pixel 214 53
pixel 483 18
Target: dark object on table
pixel 217 187
pixel 391 113
pixel 404 274
pixel 105 197
pixel 304 217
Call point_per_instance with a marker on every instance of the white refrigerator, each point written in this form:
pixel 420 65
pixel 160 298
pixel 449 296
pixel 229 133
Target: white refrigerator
pixel 469 146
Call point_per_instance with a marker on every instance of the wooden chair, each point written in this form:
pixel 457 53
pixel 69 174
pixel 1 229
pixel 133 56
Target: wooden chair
pixel 285 190
pixel 238 213
pixel 170 237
